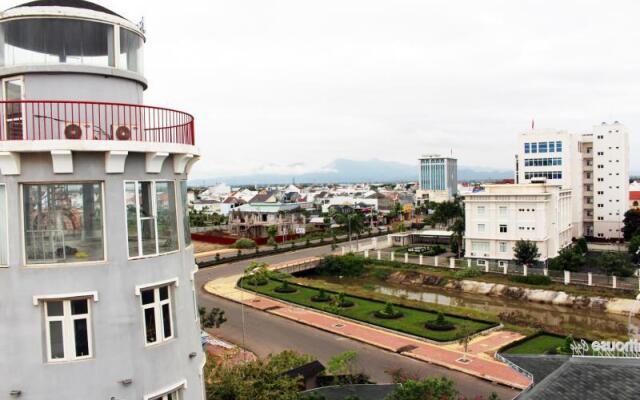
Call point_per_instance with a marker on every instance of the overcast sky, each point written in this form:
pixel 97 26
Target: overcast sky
pixel 273 83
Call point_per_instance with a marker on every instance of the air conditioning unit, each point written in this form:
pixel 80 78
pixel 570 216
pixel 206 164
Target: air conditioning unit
pixel 75 130
pixel 124 131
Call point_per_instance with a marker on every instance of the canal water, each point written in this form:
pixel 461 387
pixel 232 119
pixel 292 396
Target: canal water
pixel 579 321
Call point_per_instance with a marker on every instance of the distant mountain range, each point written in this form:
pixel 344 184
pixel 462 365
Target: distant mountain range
pixel 352 171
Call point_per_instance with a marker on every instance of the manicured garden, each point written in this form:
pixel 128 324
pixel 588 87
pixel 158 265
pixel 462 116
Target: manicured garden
pixel 540 344
pixel 415 321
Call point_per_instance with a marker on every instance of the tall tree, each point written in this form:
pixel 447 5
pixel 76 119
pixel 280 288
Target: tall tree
pixel 631 223
pixel 526 252
pixel 426 389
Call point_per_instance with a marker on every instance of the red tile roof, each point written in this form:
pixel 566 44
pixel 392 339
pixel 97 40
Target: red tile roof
pixel 634 195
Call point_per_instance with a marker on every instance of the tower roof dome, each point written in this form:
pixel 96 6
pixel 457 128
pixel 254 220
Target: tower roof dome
pixel 83 4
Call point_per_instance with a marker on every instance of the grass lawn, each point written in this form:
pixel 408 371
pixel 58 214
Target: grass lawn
pixel 411 322
pixel 537 345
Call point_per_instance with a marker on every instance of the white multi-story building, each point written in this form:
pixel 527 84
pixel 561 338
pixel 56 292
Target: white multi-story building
pixel 499 216
pixel 594 166
pixel 438 179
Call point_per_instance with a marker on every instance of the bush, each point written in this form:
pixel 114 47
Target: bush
pixel 570 258
pixel 618 264
pixel 244 243
pixel 388 312
pixel 271 242
pixel 321 297
pixel 634 244
pixel 347 265
pixel 467 273
pixel 285 288
pixel 380 273
pixel 440 324
pixel 256 281
pixel 531 279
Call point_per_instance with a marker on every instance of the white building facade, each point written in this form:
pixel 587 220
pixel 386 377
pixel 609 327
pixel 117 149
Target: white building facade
pixel 438 179
pixel 594 166
pixel 499 216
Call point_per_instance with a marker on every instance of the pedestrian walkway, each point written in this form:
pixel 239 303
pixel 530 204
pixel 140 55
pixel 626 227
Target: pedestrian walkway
pixel 475 362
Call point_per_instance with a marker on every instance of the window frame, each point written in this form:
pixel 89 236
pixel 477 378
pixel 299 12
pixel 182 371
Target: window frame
pixel 67 319
pixel 6 216
pixel 154 211
pixel 157 306
pixel 186 222
pixel 105 257
pixel 175 388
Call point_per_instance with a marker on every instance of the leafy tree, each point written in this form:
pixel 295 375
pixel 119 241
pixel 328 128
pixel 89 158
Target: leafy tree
pixel 254 380
pixel 272 231
pixel 448 211
pixel 581 245
pixel 288 360
pixel 614 263
pixel 570 258
pixel 426 389
pixel 344 364
pixel 634 244
pixel 526 252
pixel 212 318
pixel 347 265
pixel 458 229
pixel 631 223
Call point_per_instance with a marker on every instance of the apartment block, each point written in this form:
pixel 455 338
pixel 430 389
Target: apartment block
pixel 499 216
pixel 595 166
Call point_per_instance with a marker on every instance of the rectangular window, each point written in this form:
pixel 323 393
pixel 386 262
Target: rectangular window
pixel 480 247
pixel 151 218
pixel 559 147
pixel 503 228
pixel 481 227
pixel 534 147
pixel 173 395
pixel 4 259
pixel 502 210
pixel 68 329
pixel 185 212
pixel 552 147
pixel 481 210
pixel 157 314
pixel 503 247
pixel 542 147
pixel 63 223
pixel 13 90
pixel 527 148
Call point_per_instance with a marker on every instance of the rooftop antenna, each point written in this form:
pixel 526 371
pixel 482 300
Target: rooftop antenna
pixel 141 25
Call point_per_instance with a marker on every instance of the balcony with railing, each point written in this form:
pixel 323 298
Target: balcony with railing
pixel 86 122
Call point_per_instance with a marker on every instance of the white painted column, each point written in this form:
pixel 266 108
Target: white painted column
pixel 389 241
pixel 393 256
pixel 505 269
pixel 615 282
pixel 469 263
pixel 374 242
pixel 567 277
pixel 545 271
pixel 366 254
pixel 420 259
pixel 589 278
pixel 379 255
pixel 486 267
pixel 343 250
pixel 406 258
pixel 435 260
pixel 452 263
pixel 524 270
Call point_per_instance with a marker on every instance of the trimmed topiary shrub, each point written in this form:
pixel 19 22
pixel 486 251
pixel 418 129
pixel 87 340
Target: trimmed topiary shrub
pixel 440 324
pixel 321 297
pixel 388 312
pixel 256 281
pixel 342 302
pixel 285 288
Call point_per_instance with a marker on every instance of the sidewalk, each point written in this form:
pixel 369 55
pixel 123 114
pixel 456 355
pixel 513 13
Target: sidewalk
pixel 481 363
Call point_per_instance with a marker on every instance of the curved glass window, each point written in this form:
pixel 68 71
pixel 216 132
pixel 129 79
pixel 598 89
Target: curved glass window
pixel 130 51
pixel 50 41
pixel 56 41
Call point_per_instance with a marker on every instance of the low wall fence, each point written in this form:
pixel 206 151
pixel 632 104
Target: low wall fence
pixel 503 268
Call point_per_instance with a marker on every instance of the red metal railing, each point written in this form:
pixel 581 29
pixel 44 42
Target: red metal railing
pixel 83 120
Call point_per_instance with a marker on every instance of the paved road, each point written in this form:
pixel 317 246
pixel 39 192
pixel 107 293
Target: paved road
pixel 270 334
